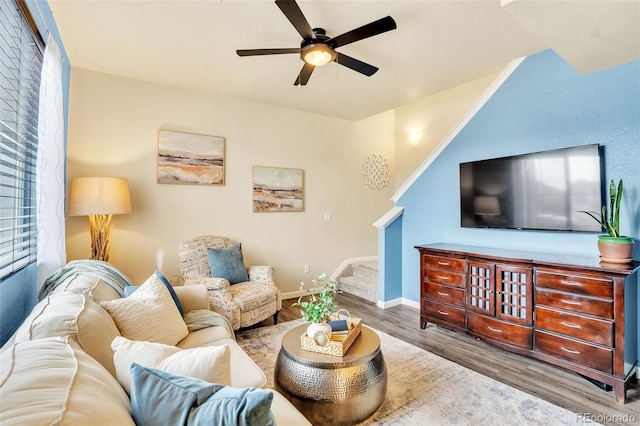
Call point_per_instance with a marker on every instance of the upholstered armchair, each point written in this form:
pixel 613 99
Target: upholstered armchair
pixel 244 303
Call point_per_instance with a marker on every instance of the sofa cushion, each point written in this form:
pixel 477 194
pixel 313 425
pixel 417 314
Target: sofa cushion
pixel 92 287
pixel 53 381
pixel 148 314
pixel 212 363
pixel 73 314
pixel 228 263
pixel 158 397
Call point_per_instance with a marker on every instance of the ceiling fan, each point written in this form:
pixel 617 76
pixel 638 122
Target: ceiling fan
pixel 317 48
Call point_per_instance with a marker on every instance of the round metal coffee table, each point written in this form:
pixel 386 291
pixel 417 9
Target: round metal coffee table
pixel 331 389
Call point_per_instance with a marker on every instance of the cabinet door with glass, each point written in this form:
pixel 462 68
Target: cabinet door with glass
pixel 481 288
pixel 500 291
pixel 514 298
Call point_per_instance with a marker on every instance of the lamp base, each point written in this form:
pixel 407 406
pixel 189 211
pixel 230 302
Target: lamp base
pixel 100 225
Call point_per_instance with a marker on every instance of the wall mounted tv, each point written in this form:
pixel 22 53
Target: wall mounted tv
pixel 538 191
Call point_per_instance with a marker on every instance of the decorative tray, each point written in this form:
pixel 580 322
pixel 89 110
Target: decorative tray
pixel 334 347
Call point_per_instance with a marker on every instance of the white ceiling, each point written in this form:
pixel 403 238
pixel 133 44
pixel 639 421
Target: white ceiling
pixel 437 45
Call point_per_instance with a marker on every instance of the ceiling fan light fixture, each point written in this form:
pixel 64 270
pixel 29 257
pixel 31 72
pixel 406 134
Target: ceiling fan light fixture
pixel 317 54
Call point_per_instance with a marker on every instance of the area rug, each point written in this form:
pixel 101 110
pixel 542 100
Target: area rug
pixel 425 389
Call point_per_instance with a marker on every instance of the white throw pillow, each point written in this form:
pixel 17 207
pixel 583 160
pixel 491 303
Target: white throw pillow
pixel 149 314
pixel 209 363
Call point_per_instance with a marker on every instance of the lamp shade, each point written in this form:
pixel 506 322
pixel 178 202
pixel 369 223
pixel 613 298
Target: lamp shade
pixel 98 195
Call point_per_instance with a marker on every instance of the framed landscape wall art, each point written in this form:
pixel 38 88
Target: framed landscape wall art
pixel 277 189
pixel 190 158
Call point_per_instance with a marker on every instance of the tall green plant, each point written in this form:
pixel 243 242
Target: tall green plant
pixel 611 221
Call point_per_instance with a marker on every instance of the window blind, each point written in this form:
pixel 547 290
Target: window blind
pixel 20 66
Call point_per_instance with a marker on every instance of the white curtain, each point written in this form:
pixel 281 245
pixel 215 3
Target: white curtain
pixel 50 189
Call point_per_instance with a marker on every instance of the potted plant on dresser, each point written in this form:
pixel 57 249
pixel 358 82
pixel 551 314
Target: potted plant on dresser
pixel 318 307
pixel 613 247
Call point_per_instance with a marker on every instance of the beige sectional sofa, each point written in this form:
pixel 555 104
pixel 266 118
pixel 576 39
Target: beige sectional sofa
pixel 58 368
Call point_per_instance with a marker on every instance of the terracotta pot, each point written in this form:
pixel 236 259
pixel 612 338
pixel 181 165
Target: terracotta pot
pixel 616 249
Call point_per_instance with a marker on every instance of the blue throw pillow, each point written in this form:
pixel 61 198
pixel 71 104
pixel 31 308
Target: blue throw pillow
pixel 228 263
pixel 130 289
pixel 158 397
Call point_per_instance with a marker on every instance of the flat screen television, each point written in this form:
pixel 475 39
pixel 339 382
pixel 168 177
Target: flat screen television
pixel 538 191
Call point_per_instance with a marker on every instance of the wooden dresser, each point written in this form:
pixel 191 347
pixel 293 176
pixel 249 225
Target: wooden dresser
pixel 571 311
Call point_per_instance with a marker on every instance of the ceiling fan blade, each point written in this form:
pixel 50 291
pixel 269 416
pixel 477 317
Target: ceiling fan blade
pixel 293 13
pixel 304 75
pixel 256 52
pixel 374 28
pixel 356 65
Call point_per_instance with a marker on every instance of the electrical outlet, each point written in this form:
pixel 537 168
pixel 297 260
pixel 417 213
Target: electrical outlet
pixel 328 216
pixel 306 269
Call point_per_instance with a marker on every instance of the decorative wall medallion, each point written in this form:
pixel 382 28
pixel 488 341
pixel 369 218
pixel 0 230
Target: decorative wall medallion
pixel 375 171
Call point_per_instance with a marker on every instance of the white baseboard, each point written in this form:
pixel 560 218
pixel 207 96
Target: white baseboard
pixel 298 293
pixel 399 301
pixel 389 303
pixel 381 304
pixel 411 303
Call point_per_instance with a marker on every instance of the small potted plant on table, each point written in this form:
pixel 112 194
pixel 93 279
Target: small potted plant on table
pixel 318 307
pixel 613 247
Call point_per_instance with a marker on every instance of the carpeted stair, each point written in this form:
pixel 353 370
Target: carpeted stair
pixel 363 281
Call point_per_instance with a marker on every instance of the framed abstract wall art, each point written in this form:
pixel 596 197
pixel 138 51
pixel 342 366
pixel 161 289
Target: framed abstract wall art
pixel 190 158
pixel 277 189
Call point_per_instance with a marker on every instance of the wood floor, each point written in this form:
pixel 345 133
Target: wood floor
pixel 554 384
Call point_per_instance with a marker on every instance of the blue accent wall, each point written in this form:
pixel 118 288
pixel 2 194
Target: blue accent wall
pixel 545 104
pixel 390 271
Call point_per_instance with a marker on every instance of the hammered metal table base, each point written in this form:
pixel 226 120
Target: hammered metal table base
pixel 329 389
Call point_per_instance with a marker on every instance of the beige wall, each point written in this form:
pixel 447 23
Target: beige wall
pixel 113 125
pixel 434 117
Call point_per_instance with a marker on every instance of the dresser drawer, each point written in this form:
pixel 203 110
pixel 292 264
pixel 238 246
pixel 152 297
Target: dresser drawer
pixel 512 334
pixel 442 293
pixel 578 284
pixel 571 302
pixel 579 326
pixel 443 312
pixel 443 277
pixel 441 262
pixel 580 353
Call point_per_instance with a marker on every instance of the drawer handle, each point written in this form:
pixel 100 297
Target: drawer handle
pixel 495 330
pixel 567 324
pixel 443 278
pixel 570 302
pixel 573 283
pixel 443 294
pixel 571 351
pixel 443 263
pixel 442 313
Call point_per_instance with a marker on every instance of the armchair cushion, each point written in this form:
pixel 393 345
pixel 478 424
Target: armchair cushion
pixel 228 263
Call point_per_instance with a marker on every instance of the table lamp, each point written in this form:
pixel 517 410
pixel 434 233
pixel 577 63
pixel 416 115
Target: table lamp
pixel 99 198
